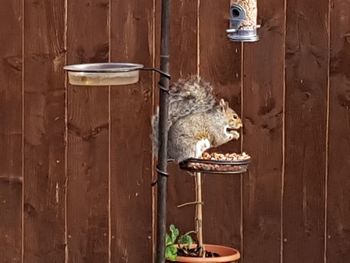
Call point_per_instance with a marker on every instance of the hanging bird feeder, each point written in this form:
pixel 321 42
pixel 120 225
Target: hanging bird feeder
pixel 243 21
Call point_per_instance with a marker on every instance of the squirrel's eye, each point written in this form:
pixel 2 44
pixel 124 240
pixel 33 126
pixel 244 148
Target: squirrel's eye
pixel 235 117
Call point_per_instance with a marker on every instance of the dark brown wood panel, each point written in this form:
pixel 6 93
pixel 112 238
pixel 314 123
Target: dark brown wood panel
pixel 306 115
pixel 338 245
pixel 131 148
pixel 263 68
pixel 183 63
pixel 11 131
pixel 88 137
pixel 220 64
pixel 44 115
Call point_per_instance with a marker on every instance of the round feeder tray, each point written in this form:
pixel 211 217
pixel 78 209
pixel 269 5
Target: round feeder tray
pixel 215 166
pixel 103 74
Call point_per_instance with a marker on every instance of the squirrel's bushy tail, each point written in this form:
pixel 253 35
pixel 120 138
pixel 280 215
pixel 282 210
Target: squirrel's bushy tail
pixel 186 96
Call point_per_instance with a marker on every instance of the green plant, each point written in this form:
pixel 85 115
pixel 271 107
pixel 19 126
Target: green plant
pixel 175 242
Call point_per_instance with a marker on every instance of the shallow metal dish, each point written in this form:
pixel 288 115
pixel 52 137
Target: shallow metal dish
pixel 104 67
pixel 214 166
pixel 103 74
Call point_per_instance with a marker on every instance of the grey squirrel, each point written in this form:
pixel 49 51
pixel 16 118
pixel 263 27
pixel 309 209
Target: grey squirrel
pixel 196 120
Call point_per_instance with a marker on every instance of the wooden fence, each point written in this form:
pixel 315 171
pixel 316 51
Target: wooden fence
pixel 75 163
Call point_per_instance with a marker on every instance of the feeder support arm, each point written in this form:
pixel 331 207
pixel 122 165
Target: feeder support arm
pixel 162 73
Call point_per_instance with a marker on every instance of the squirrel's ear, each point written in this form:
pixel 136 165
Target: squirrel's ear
pixel 223 104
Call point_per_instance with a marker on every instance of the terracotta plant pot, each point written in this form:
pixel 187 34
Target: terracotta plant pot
pixel 227 255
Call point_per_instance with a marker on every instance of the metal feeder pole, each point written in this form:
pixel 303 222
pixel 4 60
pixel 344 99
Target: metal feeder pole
pixel 163 134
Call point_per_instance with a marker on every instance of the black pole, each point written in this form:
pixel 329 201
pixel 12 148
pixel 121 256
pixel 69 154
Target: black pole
pixel 163 133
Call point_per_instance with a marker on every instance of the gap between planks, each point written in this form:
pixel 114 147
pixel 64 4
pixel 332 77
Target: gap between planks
pixel 283 132
pixel 66 133
pixel 23 124
pixel 327 135
pixel 242 148
pixel 109 136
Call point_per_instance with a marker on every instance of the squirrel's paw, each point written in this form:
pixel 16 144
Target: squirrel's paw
pixel 201 147
pixel 235 135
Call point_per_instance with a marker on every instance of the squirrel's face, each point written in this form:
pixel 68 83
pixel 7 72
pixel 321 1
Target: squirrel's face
pixel 233 121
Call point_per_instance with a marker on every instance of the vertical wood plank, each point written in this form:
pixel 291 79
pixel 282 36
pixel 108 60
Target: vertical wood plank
pixel 306 115
pixel 131 148
pixel 183 63
pixel 11 131
pixel 88 136
pixel 338 247
pixel 220 64
pixel 44 93
pixel 263 135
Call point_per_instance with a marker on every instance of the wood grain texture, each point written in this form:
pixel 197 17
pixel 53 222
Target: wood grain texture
pixel 263 64
pixel 11 131
pixel 131 148
pixel 88 137
pixel 307 190
pixel 44 115
pixel 306 115
pixel 183 63
pixel 220 64
pixel 338 245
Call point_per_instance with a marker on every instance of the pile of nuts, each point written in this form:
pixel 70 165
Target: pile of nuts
pixel 224 167
pixel 225 157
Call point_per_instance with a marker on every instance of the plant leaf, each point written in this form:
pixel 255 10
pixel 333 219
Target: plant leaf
pixel 168 240
pixel 174 232
pixel 171 253
pixel 185 240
